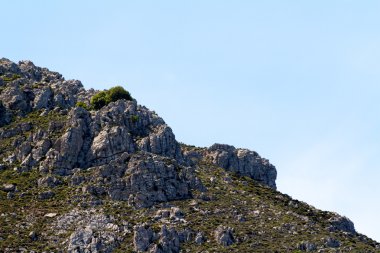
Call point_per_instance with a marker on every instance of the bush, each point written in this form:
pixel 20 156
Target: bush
pixel 83 105
pixel 116 93
pixel 135 118
pixel 99 100
pixel 105 97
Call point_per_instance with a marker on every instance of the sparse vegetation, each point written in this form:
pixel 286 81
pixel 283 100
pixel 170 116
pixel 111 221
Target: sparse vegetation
pixel 83 105
pixel 135 118
pixel 11 78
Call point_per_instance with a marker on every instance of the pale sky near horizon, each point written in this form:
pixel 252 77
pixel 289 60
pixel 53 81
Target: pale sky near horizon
pixel 296 81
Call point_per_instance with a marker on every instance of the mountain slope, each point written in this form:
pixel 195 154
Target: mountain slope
pixel 116 180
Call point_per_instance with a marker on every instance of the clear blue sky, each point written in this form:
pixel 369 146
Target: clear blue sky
pixel 297 81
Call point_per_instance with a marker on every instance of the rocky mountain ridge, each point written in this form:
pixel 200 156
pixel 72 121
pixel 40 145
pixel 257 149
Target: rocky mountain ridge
pixel 116 179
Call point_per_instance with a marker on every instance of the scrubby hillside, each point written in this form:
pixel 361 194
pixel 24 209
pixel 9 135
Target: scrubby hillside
pixel 75 177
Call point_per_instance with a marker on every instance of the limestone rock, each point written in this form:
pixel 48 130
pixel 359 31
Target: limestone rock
pixel 332 242
pixel 5 116
pixel 243 162
pixel 163 214
pixel 224 235
pixel 43 98
pixel 48 181
pixel 46 195
pixel 307 246
pixel 161 141
pixel 186 235
pixel 200 238
pixel 10 195
pixel 176 213
pixel 40 149
pixel 15 99
pixel 28 87
pixel 109 143
pixel 33 236
pixel 50 215
pixel 149 179
pixel 143 237
pixel 341 223
pixel 169 241
pixel 87 240
pixel 8 66
pixel 166 241
pixel 8 187
pixel 23 150
pixel 93 231
pixel 65 153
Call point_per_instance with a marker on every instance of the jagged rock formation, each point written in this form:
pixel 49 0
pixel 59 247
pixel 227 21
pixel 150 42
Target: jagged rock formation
pixel 243 162
pixel 116 179
pixel 27 87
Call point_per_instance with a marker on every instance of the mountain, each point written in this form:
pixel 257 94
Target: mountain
pixel 115 179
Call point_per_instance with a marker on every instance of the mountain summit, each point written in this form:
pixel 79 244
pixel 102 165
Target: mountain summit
pixel 94 171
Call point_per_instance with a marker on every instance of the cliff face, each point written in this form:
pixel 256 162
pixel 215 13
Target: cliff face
pixel 117 179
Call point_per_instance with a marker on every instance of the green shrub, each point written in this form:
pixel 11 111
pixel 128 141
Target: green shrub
pixel 116 93
pixel 99 100
pixel 135 118
pixel 83 105
pixel 105 97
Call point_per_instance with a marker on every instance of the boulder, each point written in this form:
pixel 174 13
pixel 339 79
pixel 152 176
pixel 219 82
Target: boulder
pixel 332 243
pixel 46 195
pixel 48 181
pixel 9 187
pixel 224 235
pixel 200 238
pixel 307 246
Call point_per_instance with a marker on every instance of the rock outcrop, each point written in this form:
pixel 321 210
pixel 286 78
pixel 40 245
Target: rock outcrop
pixel 243 162
pixel 143 237
pixel 341 223
pixel 93 231
pixel 167 240
pixel 143 179
pixel 27 87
